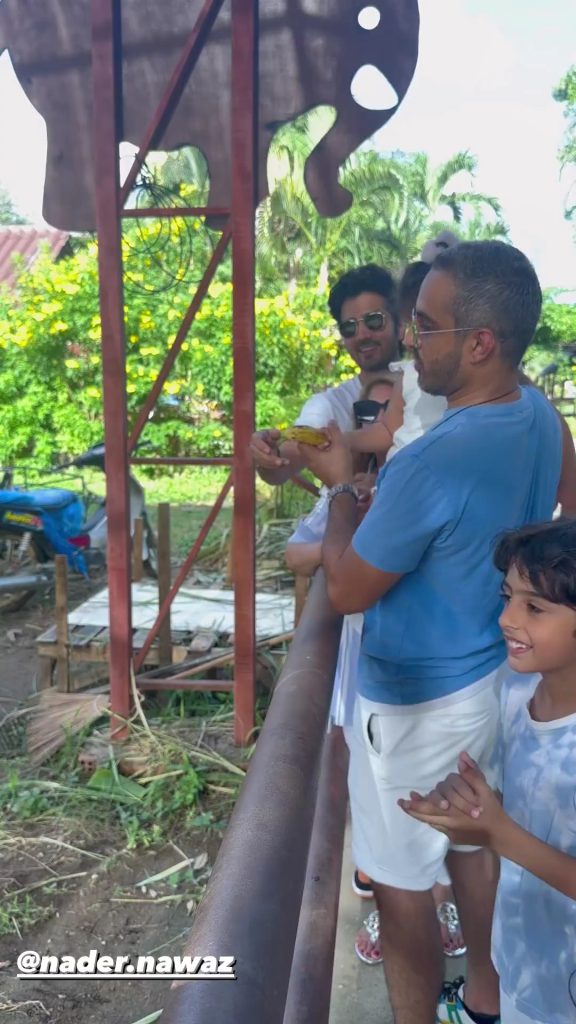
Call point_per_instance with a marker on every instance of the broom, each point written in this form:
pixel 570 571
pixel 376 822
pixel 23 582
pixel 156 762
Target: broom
pixel 57 716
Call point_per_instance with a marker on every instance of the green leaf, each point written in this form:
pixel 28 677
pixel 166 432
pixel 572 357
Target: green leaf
pixel 106 779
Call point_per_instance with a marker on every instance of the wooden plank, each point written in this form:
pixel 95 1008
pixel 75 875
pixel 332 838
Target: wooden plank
pixel 164 582
pixel 223 685
pixel 194 666
pixel 45 673
pixel 95 653
pixel 203 641
pixel 138 638
pixel 137 549
pixel 61 581
pixel 81 636
pixel 49 637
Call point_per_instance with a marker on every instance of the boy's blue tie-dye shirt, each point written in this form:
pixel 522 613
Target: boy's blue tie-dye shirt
pixel 534 933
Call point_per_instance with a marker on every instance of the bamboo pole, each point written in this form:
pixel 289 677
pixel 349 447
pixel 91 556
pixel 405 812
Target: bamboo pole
pixel 137 550
pixel 164 582
pixel 62 657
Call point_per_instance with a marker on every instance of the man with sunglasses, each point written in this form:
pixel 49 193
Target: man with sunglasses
pixel 419 567
pixel 364 305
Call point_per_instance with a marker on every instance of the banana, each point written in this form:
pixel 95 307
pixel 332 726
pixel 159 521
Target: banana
pixel 304 435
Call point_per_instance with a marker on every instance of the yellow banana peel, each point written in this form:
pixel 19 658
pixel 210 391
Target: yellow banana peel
pixel 304 435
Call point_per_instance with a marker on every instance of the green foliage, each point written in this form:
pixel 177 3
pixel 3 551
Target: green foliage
pixel 565 93
pixel 557 325
pixel 50 366
pixel 20 912
pixel 400 201
pixel 556 329
pixel 8 211
pixel 144 813
pixel 50 331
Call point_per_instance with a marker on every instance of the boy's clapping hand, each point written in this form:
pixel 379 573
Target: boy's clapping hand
pixel 463 806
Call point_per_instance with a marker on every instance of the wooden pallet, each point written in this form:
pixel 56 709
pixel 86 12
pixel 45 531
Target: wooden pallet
pixel 91 644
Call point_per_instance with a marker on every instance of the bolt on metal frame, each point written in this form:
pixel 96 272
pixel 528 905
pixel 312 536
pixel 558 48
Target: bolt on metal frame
pixel 239 230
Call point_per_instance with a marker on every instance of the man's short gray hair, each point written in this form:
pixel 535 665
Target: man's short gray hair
pixel 496 288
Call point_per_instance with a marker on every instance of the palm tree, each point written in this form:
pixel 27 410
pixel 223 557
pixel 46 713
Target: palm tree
pixel 434 187
pixel 478 229
pixel 400 200
pixel 294 140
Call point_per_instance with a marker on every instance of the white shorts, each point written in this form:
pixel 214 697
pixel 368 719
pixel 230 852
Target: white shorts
pixel 510 1015
pixel 394 749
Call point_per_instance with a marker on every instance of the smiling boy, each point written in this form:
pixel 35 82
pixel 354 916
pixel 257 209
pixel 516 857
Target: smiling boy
pixel 534 830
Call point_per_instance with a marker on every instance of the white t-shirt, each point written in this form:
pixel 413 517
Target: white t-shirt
pixel 333 404
pixel 310 530
pixel 534 927
pixel 421 411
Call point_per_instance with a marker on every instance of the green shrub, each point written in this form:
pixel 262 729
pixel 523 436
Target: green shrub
pixel 50 358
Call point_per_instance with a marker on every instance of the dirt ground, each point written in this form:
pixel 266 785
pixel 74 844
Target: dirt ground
pixel 87 918
pixel 102 909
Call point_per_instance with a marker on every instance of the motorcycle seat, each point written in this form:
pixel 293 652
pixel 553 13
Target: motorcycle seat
pixel 48 498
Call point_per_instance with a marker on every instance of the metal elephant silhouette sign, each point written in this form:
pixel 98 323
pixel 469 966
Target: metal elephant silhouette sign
pixel 310 52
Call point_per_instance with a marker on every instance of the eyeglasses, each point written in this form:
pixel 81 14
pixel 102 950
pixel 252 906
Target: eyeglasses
pixel 367 410
pixel 415 333
pixel 374 322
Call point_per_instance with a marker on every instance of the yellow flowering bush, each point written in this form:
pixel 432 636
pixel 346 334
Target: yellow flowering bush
pixel 50 358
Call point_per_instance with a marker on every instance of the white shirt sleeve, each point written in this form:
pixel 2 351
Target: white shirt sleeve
pixel 316 412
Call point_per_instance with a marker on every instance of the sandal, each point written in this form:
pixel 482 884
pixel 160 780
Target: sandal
pixel 448 916
pixel 360 888
pixel 371 930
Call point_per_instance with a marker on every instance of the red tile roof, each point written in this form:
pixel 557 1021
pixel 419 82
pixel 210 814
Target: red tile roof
pixel 26 242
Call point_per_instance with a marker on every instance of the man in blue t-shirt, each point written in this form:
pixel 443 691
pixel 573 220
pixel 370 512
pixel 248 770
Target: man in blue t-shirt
pixel 420 568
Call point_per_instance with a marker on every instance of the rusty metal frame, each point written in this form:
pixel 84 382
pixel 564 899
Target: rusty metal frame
pixel 280 859
pixel 239 230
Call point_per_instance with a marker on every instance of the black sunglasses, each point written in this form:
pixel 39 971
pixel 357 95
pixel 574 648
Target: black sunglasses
pixel 374 322
pixel 367 410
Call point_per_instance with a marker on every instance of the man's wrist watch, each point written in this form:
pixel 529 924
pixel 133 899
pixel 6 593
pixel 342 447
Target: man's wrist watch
pixel 337 489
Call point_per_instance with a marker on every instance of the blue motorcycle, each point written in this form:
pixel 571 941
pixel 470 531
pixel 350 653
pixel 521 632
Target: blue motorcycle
pixel 37 524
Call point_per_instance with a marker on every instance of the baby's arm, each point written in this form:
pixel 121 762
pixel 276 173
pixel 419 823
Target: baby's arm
pixel 378 437
pixel 374 438
pixel 304 558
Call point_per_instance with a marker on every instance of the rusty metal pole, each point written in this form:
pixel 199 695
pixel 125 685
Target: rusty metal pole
pixel 107 133
pixel 313 963
pixel 252 904
pixel 244 106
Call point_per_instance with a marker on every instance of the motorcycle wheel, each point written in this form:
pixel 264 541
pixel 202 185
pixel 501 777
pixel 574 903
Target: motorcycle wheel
pixel 14 560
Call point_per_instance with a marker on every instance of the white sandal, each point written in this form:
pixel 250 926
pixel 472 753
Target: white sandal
pixel 448 915
pixel 371 928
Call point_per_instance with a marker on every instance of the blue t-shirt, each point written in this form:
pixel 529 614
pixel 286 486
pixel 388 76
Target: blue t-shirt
pixel 534 930
pixel 441 503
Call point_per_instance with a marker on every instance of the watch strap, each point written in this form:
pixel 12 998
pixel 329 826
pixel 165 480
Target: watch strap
pixel 342 489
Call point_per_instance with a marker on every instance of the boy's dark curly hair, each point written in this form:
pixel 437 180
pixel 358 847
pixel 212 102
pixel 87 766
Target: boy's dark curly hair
pixel 544 554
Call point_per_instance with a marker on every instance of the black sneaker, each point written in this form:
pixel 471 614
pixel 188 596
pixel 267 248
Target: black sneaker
pixel 362 889
pixel 451 1009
